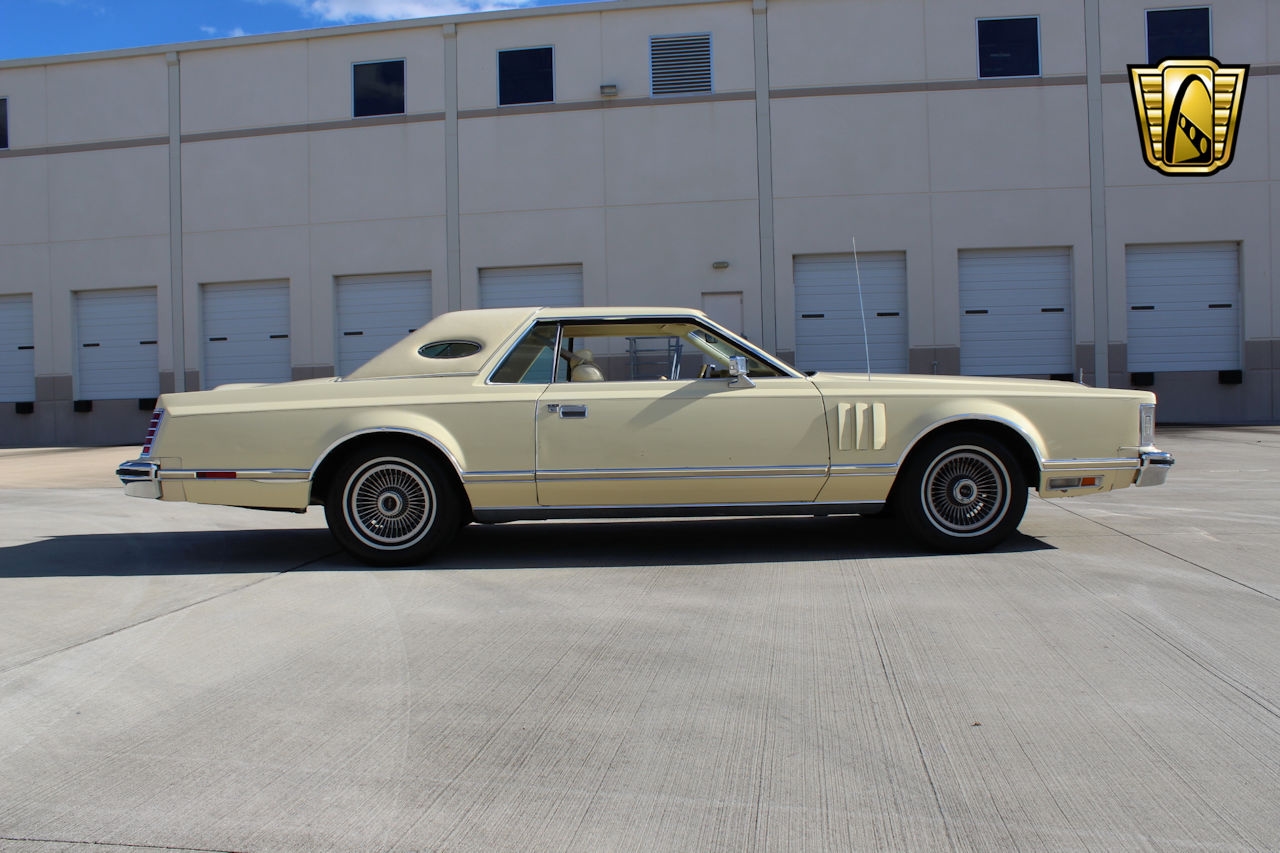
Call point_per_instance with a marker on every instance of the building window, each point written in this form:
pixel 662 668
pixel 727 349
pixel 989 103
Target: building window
pixel 526 76
pixel 4 122
pixel 1177 32
pixel 680 65
pixel 377 88
pixel 1009 47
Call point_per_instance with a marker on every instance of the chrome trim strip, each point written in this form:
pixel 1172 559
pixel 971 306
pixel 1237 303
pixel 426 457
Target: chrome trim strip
pixel 879 469
pixel 486 477
pixel 1118 462
pixel 262 474
pixel 682 473
pixel 543 513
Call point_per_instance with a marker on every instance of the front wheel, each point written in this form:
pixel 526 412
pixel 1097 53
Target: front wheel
pixel 392 505
pixel 962 493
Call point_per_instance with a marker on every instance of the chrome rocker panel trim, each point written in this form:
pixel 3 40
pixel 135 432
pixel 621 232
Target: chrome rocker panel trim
pixel 496 515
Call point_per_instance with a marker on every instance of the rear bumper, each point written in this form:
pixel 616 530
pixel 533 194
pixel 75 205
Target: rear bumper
pixel 139 478
pixel 1154 468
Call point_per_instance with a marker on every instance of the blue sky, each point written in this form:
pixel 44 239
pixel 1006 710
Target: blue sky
pixel 49 27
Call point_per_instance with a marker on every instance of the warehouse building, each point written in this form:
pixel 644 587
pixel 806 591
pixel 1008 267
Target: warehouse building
pixel 272 207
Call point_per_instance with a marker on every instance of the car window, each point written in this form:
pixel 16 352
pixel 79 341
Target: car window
pixel 449 349
pixel 532 361
pixel 649 350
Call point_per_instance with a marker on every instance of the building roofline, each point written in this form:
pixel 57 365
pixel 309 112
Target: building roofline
pixel 339 30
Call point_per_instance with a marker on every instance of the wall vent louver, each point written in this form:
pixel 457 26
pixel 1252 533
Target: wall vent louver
pixel 680 65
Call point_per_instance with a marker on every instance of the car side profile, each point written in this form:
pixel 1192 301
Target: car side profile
pixel 538 413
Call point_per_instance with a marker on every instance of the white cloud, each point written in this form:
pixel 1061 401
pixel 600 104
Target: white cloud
pixel 352 11
pixel 215 33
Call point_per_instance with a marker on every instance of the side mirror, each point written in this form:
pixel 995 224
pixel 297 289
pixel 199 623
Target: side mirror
pixel 738 377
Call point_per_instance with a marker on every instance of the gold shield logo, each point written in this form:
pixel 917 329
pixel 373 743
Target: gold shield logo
pixel 1188 112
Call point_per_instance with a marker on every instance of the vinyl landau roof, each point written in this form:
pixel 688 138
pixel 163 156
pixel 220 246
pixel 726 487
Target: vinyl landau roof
pixel 493 330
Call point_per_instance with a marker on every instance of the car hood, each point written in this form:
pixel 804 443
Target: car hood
pixel 888 383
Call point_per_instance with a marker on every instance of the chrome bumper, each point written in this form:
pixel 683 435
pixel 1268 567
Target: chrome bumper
pixel 139 478
pixel 1153 469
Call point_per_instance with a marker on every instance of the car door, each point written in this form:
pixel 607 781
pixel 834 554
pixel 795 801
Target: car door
pixel 680 442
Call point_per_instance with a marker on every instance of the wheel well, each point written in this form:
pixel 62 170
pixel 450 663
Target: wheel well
pixel 1013 440
pixel 323 476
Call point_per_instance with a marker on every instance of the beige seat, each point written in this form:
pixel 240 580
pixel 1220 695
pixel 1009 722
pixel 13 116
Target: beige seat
pixel 583 367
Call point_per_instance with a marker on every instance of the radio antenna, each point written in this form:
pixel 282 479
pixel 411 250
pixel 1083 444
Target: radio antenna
pixel 862 312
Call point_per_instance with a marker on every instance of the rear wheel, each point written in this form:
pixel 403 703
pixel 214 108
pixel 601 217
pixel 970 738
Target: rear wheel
pixel 961 492
pixel 392 505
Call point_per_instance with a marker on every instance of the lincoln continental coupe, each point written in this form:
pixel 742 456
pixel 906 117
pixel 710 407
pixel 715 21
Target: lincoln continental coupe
pixel 541 413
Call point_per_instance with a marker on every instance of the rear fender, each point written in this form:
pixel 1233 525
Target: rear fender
pixel 409 425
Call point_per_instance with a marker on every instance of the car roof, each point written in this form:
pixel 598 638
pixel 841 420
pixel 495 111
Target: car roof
pixel 492 329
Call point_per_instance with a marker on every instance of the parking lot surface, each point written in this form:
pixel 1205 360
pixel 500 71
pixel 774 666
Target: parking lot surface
pixel 195 678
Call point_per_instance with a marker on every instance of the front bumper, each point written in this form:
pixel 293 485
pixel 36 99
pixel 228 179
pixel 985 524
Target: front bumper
pixel 1153 468
pixel 139 478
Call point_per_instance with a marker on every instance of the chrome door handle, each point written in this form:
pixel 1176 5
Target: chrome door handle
pixel 572 411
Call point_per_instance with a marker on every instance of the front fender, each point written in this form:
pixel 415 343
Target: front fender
pixel 941 414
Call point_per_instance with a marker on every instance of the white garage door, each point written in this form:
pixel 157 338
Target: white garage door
pixel 829 320
pixel 1015 312
pixel 1184 306
pixel 375 311
pixel 245 332
pixel 516 287
pixel 17 349
pixel 116 349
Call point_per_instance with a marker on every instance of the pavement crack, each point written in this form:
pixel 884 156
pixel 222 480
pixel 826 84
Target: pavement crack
pixel 155 617
pixel 1058 505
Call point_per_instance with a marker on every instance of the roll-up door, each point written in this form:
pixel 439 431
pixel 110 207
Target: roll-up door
pixel 1183 306
pixel 829 323
pixel 1015 312
pixel 375 311
pixel 245 332
pixel 116 347
pixel 516 287
pixel 17 349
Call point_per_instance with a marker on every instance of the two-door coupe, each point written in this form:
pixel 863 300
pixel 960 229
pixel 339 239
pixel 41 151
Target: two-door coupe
pixel 538 413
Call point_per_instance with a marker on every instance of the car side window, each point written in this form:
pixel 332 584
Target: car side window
pixel 532 361
pixel 646 351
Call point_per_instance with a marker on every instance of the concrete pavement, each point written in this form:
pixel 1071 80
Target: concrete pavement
pixel 212 679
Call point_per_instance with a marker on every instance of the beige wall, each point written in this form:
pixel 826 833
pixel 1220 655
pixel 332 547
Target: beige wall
pixel 878 129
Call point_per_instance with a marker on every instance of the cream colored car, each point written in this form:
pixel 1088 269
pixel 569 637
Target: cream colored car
pixel 539 413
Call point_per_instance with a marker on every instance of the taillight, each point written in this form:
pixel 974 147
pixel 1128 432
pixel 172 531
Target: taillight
pixel 152 429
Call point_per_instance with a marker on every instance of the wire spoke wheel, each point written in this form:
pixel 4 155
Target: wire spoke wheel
pixel 966 491
pixel 961 492
pixel 393 504
pixel 390 503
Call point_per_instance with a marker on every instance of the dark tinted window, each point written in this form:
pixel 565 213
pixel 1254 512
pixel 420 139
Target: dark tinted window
pixel 525 76
pixel 4 123
pixel 1009 47
pixel 1177 32
pixel 378 88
